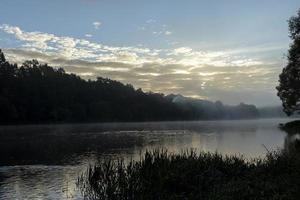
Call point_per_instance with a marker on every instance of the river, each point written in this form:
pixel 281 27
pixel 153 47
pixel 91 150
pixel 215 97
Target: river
pixel 44 161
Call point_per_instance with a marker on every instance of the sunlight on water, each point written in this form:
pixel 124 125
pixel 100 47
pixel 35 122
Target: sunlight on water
pixel 43 162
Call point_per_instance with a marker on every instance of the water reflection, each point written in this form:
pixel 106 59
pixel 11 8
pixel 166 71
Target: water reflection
pixel 292 140
pixel 38 182
pixel 40 162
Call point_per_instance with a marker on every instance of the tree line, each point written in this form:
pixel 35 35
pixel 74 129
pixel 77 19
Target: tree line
pixel 38 93
pixel 289 80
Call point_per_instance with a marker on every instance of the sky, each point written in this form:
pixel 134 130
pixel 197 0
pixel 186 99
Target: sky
pixel 228 50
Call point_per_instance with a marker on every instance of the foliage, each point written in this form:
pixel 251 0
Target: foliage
pixel 292 127
pixel 38 93
pixel 289 79
pixel 161 175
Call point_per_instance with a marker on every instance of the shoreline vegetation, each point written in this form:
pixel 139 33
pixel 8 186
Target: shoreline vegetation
pixel 72 123
pixel 35 93
pixel 292 128
pixel 191 175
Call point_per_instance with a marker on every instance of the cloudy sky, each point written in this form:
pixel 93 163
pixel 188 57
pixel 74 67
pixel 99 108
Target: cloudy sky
pixel 230 50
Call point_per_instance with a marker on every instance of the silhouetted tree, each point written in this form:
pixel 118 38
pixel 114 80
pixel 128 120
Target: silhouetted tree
pixel 38 93
pixel 289 79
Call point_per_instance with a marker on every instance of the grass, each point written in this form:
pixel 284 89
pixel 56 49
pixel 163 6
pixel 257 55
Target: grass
pixel 160 175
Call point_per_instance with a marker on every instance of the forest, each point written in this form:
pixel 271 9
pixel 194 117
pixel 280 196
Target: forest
pixel 38 93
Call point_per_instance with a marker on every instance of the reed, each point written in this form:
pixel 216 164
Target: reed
pixel 191 175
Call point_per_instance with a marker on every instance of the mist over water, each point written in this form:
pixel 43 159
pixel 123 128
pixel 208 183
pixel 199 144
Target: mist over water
pixel 44 161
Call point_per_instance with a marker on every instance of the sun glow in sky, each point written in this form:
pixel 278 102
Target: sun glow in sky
pixel 231 51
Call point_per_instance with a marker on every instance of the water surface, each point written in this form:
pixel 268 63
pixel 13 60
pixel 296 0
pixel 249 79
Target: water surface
pixel 44 161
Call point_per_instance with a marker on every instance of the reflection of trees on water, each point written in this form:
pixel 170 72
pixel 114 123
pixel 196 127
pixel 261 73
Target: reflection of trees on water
pixel 291 142
pixel 52 146
pixel 70 144
pixel 292 139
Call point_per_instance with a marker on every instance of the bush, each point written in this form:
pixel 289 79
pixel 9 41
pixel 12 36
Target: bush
pixel 162 175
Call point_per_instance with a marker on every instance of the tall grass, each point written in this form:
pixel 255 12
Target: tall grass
pixel 160 175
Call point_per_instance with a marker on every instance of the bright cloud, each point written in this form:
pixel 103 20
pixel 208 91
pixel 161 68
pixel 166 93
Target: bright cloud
pixel 168 32
pixel 97 25
pixel 224 75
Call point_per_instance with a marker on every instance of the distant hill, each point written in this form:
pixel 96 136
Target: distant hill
pixel 203 109
pixel 38 93
pixel 271 111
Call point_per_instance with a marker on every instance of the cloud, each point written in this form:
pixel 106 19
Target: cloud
pixel 88 35
pixel 162 32
pixel 97 24
pixel 215 75
pixel 142 28
pixel 157 32
pixel 168 32
pixel 155 28
pixel 149 21
pixel 181 50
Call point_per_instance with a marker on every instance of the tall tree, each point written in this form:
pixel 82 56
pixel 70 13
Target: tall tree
pixel 2 57
pixel 38 93
pixel 289 79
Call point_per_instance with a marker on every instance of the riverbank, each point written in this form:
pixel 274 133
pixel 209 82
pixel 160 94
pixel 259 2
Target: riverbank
pixel 50 158
pixel 292 127
pixel 162 175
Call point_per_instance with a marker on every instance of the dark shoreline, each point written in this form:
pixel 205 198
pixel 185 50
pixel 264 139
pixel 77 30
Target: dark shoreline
pixel 189 175
pixel 132 122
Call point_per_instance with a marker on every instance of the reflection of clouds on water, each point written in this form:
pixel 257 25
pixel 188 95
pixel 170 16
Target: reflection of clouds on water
pixel 237 137
pixel 39 182
pixel 54 156
pixel 71 144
